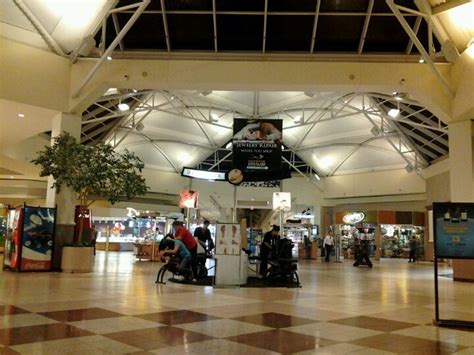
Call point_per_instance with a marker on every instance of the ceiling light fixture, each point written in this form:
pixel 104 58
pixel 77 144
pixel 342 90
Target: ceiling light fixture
pixel 214 117
pixel 421 61
pixel 375 131
pixel 139 127
pixel 123 106
pixel 394 112
pixel 399 96
pixel 228 146
pixel 109 57
pixel 409 168
pixel 135 90
pixel 21 115
pixel 297 119
pixel 317 177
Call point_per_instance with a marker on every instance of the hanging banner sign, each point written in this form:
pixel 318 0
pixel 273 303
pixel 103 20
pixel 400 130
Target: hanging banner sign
pixel 282 201
pixel 188 199
pixel 454 230
pixel 256 149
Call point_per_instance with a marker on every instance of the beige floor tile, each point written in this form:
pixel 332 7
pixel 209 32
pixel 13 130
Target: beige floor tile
pixel 107 344
pixel 369 351
pixel 468 351
pixel 222 346
pixel 58 347
pixel 23 320
pixel 117 324
pixel 222 328
pixel 333 331
pixel 342 348
pixel 433 333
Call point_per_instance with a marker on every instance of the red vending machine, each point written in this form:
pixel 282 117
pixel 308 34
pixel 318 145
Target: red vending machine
pixel 17 230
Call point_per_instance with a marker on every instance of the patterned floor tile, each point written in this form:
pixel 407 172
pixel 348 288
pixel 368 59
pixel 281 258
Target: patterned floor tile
pixel 382 325
pixel 222 328
pixel 36 333
pixel 281 341
pixel 59 347
pixel 275 320
pixel 176 317
pixel 338 332
pixel 108 344
pixel 214 346
pixel 154 338
pixel 23 320
pixel 7 351
pixel 81 314
pixel 342 348
pixel 400 343
pixel 114 325
pixel 9 309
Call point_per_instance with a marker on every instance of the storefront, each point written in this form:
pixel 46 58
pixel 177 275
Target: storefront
pixel 387 232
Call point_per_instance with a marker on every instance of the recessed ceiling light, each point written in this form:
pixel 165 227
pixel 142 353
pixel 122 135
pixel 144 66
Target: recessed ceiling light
pixel 109 57
pixel 21 115
pixel 394 112
pixel 421 61
pixel 134 90
pixel 12 177
pixel 123 107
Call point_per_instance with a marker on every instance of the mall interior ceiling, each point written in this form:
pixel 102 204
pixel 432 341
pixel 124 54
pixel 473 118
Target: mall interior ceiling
pixel 325 132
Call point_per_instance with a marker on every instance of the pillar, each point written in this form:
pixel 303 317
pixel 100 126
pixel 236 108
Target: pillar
pixel 461 179
pixel 66 199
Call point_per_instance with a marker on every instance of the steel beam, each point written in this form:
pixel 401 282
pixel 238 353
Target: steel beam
pixel 366 26
pixel 315 26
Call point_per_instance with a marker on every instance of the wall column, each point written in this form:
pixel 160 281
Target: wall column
pixel 461 178
pixel 66 199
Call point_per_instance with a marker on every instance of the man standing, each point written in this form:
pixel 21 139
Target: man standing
pixel 412 256
pixel 269 240
pixel 329 244
pixel 203 235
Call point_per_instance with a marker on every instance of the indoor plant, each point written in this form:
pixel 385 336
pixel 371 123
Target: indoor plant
pixel 91 170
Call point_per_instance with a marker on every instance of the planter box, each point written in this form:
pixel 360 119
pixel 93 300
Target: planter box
pixel 77 259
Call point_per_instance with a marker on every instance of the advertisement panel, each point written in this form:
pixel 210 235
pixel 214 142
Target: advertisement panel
pixel 17 230
pixel 454 230
pixel 228 239
pixel 37 239
pixel 256 150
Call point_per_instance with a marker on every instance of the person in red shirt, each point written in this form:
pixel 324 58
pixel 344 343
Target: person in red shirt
pixel 183 234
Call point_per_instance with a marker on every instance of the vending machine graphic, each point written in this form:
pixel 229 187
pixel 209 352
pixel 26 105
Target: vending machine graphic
pixel 32 239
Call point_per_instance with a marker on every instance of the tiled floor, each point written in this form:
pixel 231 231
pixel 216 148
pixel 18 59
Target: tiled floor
pixel 339 310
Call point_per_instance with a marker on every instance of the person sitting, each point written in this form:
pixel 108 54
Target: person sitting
pixel 183 234
pixel 203 235
pixel 269 240
pixel 185 256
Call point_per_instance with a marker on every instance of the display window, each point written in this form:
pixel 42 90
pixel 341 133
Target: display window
pixel 397 240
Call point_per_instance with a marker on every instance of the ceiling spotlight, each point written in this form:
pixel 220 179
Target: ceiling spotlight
pixel 317 177
pixel 375 131
pixel 399 96
pixel 228 146
pixel 409 168
pixel 134 90
pixel 139 127
pixel 421 61
pixel 173 97
pixel 310 93
pixel 109 57
pixel 394 112
pixel 297 119
pixel 21 115
pixel 206 93
pixel 123 106
pixel 214 117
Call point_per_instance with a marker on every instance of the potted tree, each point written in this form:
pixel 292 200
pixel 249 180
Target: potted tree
pixel 90 170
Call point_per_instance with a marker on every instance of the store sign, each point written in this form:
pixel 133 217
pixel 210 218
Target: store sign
pixel 282 201
pixel 203 174
pixel 454 230
pixel 256 150
pixel 188 199
pixel 354 217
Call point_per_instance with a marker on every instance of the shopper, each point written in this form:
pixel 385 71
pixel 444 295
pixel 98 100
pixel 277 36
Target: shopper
pixel 184 256
pixel 269 240
pixel 329 244
pixel 412 256
pixel 203 235
pixel 307 246
pixel 183 234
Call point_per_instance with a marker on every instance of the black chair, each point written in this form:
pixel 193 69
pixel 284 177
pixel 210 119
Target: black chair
pixel 282 264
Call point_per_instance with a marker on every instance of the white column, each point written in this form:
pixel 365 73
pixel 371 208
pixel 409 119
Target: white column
pixel 66 199
pixel 460 161
pixel 461 179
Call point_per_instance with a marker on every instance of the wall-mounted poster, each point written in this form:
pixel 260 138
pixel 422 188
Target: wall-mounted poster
pixel 228 239
pixel 188 199
pixel 37 240
pixel 256 150
pixel 454 230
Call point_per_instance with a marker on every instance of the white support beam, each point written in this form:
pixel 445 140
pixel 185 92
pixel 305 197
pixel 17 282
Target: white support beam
pixel 366 26
pixel 315 26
